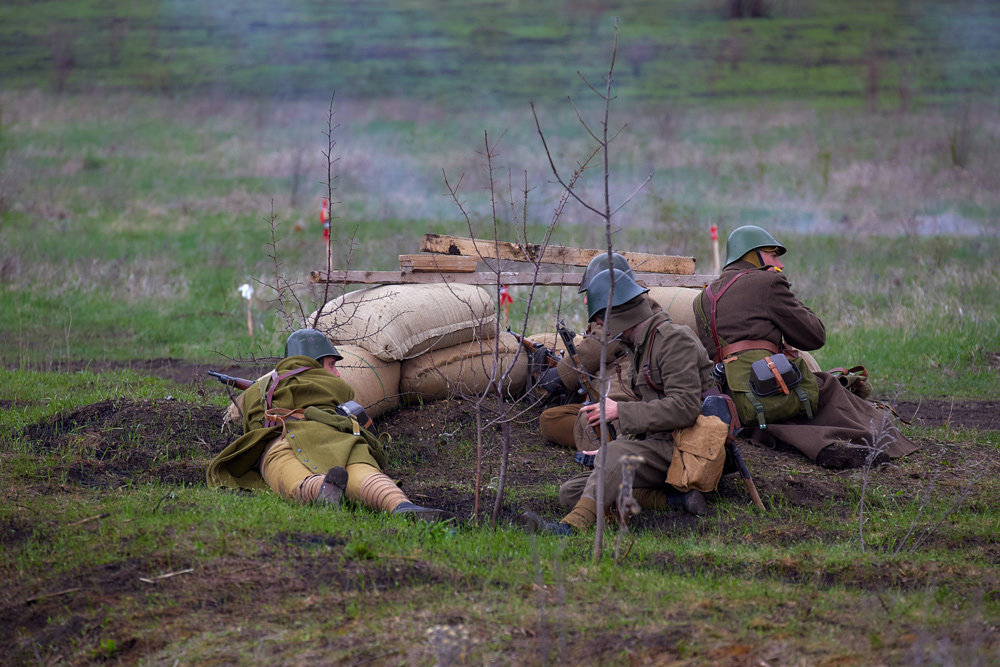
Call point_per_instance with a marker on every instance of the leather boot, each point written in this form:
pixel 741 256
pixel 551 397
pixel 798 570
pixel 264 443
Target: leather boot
pixel 332 491
pixel 420 513
pixel 532 523
pixel 694 503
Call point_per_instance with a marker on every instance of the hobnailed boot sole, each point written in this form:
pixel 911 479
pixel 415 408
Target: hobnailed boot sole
pixel 332 490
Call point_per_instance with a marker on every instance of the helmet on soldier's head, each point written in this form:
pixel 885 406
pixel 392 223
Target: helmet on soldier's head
pixel 310 343
pixel 749 237
pixel 600 263
pixel 626 289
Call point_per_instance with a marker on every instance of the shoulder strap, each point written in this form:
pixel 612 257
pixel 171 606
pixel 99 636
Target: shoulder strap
pixel 647 344
pixel 275 379
pixel 714 300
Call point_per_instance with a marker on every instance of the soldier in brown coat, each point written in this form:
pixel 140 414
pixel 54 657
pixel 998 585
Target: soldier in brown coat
pixel 750 312
pixel 670 372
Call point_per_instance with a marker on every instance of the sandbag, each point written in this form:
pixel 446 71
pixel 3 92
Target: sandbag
pixel 462 370
pixel 397 322
pixel 677 302
pixel 375 382
pixel 811 363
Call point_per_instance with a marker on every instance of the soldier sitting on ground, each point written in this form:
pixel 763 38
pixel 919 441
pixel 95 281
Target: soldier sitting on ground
pixel 299 444
pixel 670 373
pixel 749 314
pixel 563 424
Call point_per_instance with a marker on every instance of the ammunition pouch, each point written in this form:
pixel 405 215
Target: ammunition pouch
pixel 771 387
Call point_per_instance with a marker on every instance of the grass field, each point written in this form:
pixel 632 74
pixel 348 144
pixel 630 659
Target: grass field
pixel 155 156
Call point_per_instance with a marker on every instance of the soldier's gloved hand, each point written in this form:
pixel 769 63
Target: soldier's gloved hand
pixel 550 381
pixel 538 361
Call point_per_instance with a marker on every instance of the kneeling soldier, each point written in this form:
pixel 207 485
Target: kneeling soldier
pixel 670 373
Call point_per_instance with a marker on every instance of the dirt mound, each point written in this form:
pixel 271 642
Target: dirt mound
pixel 433 454
pixel 124 441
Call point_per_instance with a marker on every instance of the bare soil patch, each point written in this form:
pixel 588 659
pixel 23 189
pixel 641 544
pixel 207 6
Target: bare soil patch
pixel 433 450
pixel 433 454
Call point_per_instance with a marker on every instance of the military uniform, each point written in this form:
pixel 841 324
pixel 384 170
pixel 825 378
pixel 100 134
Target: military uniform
pixel 318 437
pixel 679 372
pixel 757 304
pixel 563 424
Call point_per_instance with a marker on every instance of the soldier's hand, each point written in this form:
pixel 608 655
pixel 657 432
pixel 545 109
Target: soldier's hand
pixel 593 411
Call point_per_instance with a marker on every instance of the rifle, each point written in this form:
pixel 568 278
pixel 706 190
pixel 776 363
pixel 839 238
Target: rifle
pixel 536 350
pixel 347 408
pixel 239 383
pixel 585 386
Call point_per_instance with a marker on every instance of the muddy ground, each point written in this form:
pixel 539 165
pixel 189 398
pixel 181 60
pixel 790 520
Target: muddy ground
pixel 126 442
pixel 433 445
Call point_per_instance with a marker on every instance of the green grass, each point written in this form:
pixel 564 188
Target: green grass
pixel 720 590
pixel 477 52
pixel 137 189
pixel 117 220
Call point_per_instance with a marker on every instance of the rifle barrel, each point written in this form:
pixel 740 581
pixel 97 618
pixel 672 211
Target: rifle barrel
pixel 239 383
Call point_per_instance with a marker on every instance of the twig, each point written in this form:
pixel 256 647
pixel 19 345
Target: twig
pixel 153 580
pixel 44 596
pixel 89 519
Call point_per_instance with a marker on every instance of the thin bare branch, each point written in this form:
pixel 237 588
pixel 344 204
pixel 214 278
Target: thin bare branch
pixel 632 196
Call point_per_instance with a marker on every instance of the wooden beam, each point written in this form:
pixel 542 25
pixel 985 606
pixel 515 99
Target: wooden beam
pixel 490 278
pixel 438 263
pixel 553 254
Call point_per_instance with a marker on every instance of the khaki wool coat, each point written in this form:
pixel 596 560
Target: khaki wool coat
pixel 670 398
pixel 760 305
pixel 322 440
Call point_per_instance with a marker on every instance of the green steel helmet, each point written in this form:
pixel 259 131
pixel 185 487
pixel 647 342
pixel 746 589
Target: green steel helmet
pixel 600 263
pixel 310 343
pixel 749 237
pixel 626 289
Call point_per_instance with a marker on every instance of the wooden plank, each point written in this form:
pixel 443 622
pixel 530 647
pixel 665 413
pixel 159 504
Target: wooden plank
pixel 490 278
pixel 553 254
pixel 438 263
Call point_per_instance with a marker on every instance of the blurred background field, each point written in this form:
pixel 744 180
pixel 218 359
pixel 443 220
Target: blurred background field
pixel 152 153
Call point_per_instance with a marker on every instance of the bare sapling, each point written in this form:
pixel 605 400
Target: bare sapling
pixel 605 212
pixel 495 408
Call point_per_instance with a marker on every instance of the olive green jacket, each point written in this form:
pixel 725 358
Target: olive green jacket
pixel 321 440
pixel 679 372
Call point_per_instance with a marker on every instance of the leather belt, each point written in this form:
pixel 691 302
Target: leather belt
pixel 744 345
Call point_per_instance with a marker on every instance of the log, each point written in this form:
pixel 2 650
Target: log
pixel 438 263
pixel 552 254
pixel 487 278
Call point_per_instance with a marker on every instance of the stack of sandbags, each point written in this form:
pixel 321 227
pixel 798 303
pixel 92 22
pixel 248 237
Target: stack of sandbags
pixel 398 322
pixel 465 370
